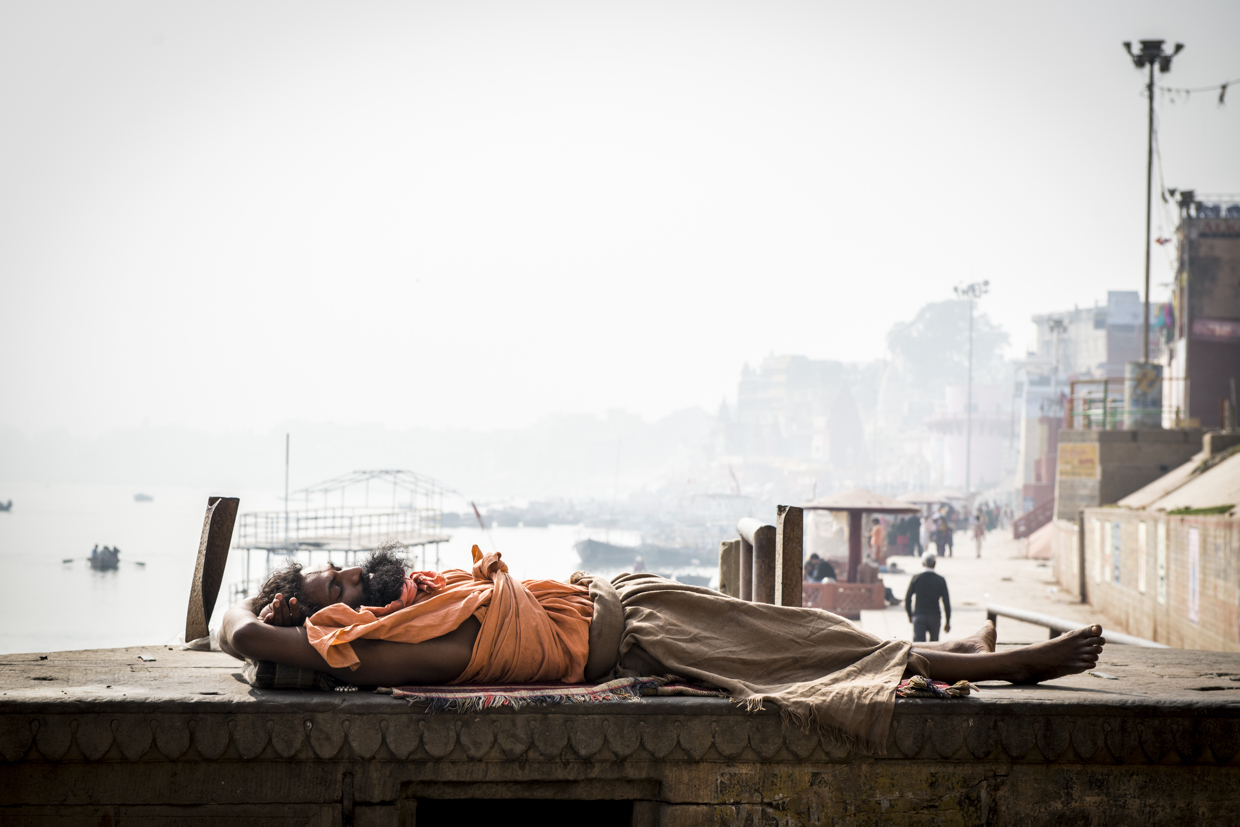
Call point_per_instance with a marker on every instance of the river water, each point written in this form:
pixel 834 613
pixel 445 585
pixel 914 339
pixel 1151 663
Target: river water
pixel 52 605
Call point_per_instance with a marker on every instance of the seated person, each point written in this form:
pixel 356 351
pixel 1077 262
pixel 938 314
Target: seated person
pixel 380 625
pixel 817 570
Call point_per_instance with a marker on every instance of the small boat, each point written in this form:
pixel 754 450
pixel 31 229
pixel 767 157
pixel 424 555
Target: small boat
pixel 6 506
pixel 143 498
pixel 105 559
pixel 599 555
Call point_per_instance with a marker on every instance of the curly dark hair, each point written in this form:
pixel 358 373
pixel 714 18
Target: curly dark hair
pixel 287 581
pixel 383 576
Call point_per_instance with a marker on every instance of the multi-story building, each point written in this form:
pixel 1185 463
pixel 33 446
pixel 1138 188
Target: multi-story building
pixel 1201 352
pixel 1092 343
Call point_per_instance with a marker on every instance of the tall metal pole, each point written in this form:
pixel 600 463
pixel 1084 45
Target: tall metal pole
pixel 971 292
pixel 286 489
pixel 968 413
pixel 1150 54
pixel 1149 198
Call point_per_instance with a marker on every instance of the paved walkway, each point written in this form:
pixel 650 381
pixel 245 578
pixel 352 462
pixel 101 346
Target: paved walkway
pixel 1002 575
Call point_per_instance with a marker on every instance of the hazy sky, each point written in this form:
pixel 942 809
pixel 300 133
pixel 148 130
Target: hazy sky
pixel 466 214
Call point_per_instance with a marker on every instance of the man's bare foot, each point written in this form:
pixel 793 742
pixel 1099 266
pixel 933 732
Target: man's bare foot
pixel 1065 655
pixel 979 643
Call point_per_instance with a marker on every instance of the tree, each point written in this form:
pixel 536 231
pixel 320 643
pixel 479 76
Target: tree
pixel 932 350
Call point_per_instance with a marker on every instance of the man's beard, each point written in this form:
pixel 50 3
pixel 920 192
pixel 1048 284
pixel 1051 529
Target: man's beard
pixel 383 576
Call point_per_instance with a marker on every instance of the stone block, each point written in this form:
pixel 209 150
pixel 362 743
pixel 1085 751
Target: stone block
pixel 377 815
pixel 695 815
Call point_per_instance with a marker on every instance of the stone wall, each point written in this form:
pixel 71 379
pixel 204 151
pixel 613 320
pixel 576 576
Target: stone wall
pixel 1066 557
pixel 668 763
pixel 1141 569
pixel 107 738
pixel 1125 461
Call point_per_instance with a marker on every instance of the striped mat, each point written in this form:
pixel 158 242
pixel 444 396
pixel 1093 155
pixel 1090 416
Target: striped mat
pixel 472 698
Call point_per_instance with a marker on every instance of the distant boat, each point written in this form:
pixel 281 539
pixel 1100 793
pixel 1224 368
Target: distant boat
pixel 598 555
pixel 143 498
pixel 6 506
pixel 105 559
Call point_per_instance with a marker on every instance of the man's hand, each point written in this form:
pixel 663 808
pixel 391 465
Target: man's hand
pixel 281 612
pixel 947 627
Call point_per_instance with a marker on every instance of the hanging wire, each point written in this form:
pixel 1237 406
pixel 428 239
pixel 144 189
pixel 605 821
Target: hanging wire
pixel 1221 88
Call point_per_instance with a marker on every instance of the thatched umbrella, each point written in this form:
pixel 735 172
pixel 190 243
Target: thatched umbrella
pixel 857 502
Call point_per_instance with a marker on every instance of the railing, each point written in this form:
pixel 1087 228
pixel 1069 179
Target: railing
pixel 336 528
pixel 1059 626
pixel 1094 409
pixel 1031 521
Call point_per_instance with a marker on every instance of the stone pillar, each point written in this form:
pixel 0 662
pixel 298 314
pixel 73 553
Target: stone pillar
pixel 217 531
pixel 789 555
pixel 745 570
pixel 760 539
pixel 729 568
pixel 764 565
pixel 1142 395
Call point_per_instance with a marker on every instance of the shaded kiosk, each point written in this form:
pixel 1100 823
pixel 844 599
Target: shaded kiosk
pixel 919 498
pixel 850 597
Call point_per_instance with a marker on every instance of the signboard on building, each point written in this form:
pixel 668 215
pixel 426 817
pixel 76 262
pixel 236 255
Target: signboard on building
pixel 1078 461
pixel 1216 330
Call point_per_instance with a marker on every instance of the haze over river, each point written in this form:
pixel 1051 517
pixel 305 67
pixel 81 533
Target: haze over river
pixel 50 605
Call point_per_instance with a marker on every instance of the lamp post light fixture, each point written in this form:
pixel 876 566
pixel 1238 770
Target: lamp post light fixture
pixel 972 292
pixel 1150 54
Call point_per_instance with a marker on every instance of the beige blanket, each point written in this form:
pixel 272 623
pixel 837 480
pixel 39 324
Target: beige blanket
pixel 823 672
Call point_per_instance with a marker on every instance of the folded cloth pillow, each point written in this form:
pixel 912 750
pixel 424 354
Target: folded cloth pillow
pixel 267 674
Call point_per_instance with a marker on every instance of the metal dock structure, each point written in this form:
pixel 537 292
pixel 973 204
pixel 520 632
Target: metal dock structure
pixel 342 517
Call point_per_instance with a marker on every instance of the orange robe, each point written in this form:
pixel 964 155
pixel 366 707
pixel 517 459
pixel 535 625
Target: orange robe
pixel 532 630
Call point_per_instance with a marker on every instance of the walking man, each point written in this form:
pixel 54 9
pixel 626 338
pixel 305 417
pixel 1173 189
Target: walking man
pixel 921 603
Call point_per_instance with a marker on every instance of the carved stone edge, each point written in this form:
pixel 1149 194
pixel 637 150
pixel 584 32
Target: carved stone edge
pixel 539 736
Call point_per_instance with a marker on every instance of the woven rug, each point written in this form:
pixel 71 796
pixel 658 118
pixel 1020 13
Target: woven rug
pixel 471 698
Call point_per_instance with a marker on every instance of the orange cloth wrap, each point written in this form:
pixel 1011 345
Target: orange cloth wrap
pixel 532 630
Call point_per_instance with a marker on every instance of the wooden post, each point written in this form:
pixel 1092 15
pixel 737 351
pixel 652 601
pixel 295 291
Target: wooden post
pixel 789 555
pixel 217 530
pixel 729 568
pixel 854 545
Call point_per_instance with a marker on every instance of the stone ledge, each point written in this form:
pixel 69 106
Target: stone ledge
pixel 1167 707
pixel 102 737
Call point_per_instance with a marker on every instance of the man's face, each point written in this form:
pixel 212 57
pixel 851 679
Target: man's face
pixel 375 583
pixel 327 584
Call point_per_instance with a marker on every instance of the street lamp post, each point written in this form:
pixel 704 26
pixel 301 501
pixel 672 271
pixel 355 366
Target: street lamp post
pixel 1150 54
pixel 971 292
pixel 1057 326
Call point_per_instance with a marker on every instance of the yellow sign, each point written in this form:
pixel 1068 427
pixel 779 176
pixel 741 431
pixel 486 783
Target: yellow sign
pixel 1078 461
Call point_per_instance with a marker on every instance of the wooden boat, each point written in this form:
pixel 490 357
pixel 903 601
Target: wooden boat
pixel 105 559
pixel 599 556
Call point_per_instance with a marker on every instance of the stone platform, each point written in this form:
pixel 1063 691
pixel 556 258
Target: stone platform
pixel 104 737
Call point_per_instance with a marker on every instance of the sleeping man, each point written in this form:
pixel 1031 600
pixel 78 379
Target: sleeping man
pixel 379 624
